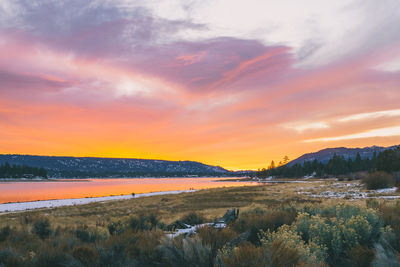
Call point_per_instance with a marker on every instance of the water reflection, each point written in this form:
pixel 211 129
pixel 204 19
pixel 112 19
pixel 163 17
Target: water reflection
pixel 45 190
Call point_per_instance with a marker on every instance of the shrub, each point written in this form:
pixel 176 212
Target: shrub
pixel 193 218
pixel 143 222
pixel 377 180
pixel 246 255
pixel 52 257
pixel 112 253
pixel 83 234
pixel 115 228
pixel 257 220
pixel 9 258
pixel 282 255
pixel 87 255
pixel 359 175
pixel 384 257
pixel 42 228
pixel 183 252
pixel 143 246
pixel 4 233
pixel 287 248
pixel 361 256
pixel 215 238
pixel 351 226
pixel 396 177
pixel 390 213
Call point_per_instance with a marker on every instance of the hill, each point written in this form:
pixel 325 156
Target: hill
pixel 326 154
pixel 81 167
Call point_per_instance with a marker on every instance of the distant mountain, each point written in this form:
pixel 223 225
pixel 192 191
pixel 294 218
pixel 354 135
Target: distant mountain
pixel 67 167
pixel 325 155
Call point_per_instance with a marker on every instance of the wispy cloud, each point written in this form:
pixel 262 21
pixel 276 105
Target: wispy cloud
pixel 131 78
pixel 301 127
pixel 371 115
pixel 382 132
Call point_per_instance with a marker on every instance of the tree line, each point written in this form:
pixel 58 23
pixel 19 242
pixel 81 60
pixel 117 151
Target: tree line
pixel 388 161
pixel 21 171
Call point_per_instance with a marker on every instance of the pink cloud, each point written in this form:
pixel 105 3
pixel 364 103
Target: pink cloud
pixel 109 88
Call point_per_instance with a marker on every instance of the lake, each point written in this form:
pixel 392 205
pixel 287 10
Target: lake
pixel 66 189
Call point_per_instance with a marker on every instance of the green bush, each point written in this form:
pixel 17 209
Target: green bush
pixel 143 222
pixel 52 257
pixel 245 255
pixel 4 233
pixel 42 228
pixel 361 256
pixel 85 235
pixel 338 235
pixel 287 248
pixel 216 238
pixel 280 254
pixel 193 218
pixel 378 180
pixel 350 227
pixel 116 228
pixel 8 257
pixel 390 213
pixel 112 253
pixel 183 252
pixel 142 246
pixel 385 257
pixel 256 220
pixel 86 255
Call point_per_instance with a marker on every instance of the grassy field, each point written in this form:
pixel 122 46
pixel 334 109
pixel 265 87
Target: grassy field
pixel 308 223
pixel 211 203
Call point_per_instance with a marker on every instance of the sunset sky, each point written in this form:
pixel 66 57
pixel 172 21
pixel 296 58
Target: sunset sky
pixel 225 82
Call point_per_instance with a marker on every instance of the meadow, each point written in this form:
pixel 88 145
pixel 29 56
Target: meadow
pixel 307 223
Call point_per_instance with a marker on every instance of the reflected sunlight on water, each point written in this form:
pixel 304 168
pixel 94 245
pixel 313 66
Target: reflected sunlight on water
pixel 45 190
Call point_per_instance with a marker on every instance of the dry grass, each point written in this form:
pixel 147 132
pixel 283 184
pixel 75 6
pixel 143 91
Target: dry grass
pixel 211 203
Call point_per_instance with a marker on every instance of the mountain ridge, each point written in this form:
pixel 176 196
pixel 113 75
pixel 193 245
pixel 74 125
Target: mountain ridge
pixel 324 155
pixel 82 167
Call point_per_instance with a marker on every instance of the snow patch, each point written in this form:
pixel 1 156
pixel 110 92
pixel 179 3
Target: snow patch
pixel 385 190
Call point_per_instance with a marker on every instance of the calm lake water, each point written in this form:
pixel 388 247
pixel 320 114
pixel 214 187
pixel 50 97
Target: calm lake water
pixel 46 190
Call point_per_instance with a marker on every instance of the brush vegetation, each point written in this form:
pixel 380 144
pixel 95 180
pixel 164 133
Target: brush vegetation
pixel 276 227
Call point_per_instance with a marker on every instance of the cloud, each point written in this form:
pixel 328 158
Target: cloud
pixel 301 127
pixel 371 115
pixel 94 28
pixel 318 125
pixel 382 132
pixel 215 63
pixel 392 65
pixel 12 81
pixel 212 81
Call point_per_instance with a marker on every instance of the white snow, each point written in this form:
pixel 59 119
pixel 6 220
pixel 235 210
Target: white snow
pixel 192 229
pixel 352 192
pixel 386 190
pixel 21 206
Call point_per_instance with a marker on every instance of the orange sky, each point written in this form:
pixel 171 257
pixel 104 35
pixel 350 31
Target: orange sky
pixel 152 83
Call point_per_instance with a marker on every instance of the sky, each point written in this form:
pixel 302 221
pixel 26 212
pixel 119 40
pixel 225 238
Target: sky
pixel 225 82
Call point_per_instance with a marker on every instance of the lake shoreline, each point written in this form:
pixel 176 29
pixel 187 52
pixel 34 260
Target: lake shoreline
pixel 6 208
pixel 26 180
pixel 65 190
pixel 14 180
